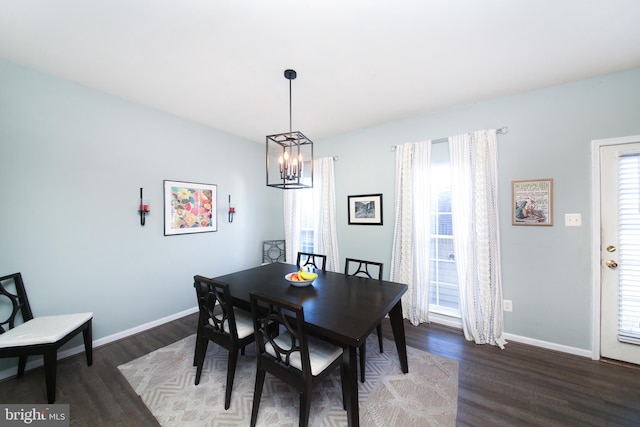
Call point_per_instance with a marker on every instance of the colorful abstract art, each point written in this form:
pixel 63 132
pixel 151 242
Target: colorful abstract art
pixel 189 207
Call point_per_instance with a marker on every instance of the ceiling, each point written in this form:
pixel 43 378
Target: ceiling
pixel 359 62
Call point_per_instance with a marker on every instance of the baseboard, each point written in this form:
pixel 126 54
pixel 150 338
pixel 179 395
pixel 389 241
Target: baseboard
pixel 141 328
pixel 549 345
pixel 37 362
pixel 456 323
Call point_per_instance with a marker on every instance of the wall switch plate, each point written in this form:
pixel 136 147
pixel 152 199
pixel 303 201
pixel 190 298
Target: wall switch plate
pixel 573 220
pixel 507 305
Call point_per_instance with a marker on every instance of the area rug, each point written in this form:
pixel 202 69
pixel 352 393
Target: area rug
pixel 164 379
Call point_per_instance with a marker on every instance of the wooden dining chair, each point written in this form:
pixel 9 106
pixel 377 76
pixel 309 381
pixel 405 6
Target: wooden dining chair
pixel 293 356
pixel 38 335
pixel 369 270
pixel 319 262
pixel 222 323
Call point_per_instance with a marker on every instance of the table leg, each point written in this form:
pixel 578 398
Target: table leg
pixel 397 326
pixel 350 365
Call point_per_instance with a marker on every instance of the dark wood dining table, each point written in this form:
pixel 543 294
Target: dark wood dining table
pixel 344 309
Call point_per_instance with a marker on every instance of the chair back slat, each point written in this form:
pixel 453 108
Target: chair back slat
pixel 19 303
pixel 274 251
pixel 363 268
pixel 271 314
pixel 214 301
pixel 319 262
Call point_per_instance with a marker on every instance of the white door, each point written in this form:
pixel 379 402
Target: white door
pixel 620 251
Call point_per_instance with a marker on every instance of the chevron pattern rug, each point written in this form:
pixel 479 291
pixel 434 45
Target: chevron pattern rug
pixel 164 379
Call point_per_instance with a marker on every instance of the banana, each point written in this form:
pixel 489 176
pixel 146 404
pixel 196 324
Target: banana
pixel 305 275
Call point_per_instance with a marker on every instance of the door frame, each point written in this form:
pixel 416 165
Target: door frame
pixel 596 235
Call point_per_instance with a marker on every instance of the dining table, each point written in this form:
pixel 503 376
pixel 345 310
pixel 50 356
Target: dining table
pixel 342 308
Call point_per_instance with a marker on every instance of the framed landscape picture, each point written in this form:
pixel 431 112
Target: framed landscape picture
pixel 532 202
pixel 189 208
pixel 365 209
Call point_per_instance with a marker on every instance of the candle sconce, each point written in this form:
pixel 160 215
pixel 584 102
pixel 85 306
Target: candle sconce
pixel 143 210
pixel 232 210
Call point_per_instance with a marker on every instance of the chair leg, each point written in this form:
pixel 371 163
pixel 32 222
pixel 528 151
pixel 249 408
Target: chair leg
pixel 50 363
pixel 88 344
pixel 305 406
pixel 380 336
pixel 363 354
pixel 195 351
pixel 343 382
pixel 231 373
pixel 242 350
pixel 201 351
pixel 257 394
pixel 22 363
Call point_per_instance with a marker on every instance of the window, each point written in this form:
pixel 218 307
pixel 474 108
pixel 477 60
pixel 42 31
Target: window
pixel 306 218
pixel 443 290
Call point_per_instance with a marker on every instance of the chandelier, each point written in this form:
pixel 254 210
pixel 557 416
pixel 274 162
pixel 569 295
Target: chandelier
pixel 289 155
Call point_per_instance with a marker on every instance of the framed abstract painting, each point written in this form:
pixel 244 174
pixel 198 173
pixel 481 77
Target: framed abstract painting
pixel 189 208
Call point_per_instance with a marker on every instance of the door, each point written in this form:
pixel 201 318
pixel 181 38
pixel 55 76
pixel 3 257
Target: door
pixel 620 251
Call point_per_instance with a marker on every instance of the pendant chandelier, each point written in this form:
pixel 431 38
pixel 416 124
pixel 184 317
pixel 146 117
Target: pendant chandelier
pixel 289 155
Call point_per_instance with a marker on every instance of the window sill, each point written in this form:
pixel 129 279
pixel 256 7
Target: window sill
pixel 453 321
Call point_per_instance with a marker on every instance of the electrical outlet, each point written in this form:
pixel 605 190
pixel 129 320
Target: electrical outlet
pixel 572 220
pixel 507 305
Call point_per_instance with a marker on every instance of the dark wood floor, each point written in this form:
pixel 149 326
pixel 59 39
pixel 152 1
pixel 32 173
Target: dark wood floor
pixel 519 386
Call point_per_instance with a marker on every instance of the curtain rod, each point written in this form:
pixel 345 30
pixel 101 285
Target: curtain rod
pixel 502 130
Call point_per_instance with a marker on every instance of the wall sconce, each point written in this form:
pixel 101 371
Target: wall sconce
pixel 232 210
pixel 143 210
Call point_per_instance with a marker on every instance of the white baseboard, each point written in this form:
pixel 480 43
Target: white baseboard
pixel 456 323
pixel 549 345
pixel 37 362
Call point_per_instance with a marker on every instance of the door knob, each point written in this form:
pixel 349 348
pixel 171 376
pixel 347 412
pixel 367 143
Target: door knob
pixel 611 264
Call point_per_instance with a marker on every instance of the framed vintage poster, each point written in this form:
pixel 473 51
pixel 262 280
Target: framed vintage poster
pixel 365 209
pixel 532 202
pixel 189 208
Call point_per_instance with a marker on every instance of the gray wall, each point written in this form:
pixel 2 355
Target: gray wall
pixel 546 270
pixel 72 161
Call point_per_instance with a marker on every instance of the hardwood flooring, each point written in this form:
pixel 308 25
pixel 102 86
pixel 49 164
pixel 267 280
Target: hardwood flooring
pixel 519 386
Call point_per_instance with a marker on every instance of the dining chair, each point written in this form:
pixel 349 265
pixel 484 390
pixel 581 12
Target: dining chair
pixel 369 270
pixel 293 356
pixel 42 335
pixel 274 251
pixel 222 323
pixel 319 262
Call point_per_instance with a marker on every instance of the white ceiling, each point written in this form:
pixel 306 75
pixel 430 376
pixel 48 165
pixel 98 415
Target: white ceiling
pixel 359 62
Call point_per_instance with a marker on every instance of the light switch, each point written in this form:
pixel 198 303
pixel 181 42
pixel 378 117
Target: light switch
pixel 573 220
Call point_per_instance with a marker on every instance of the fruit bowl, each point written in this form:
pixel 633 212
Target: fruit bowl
pixel 298 283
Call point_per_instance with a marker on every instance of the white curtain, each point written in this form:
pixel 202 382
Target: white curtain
pixel 476 237
pixel 293 203
pixel 318 203
pixel 412 234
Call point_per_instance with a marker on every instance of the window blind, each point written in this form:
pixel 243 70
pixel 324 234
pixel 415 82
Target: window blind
pixel 629 246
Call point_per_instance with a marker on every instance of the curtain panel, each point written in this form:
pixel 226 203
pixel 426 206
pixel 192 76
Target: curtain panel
pixel 412 234
pixel 476 234
pixel 319 203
